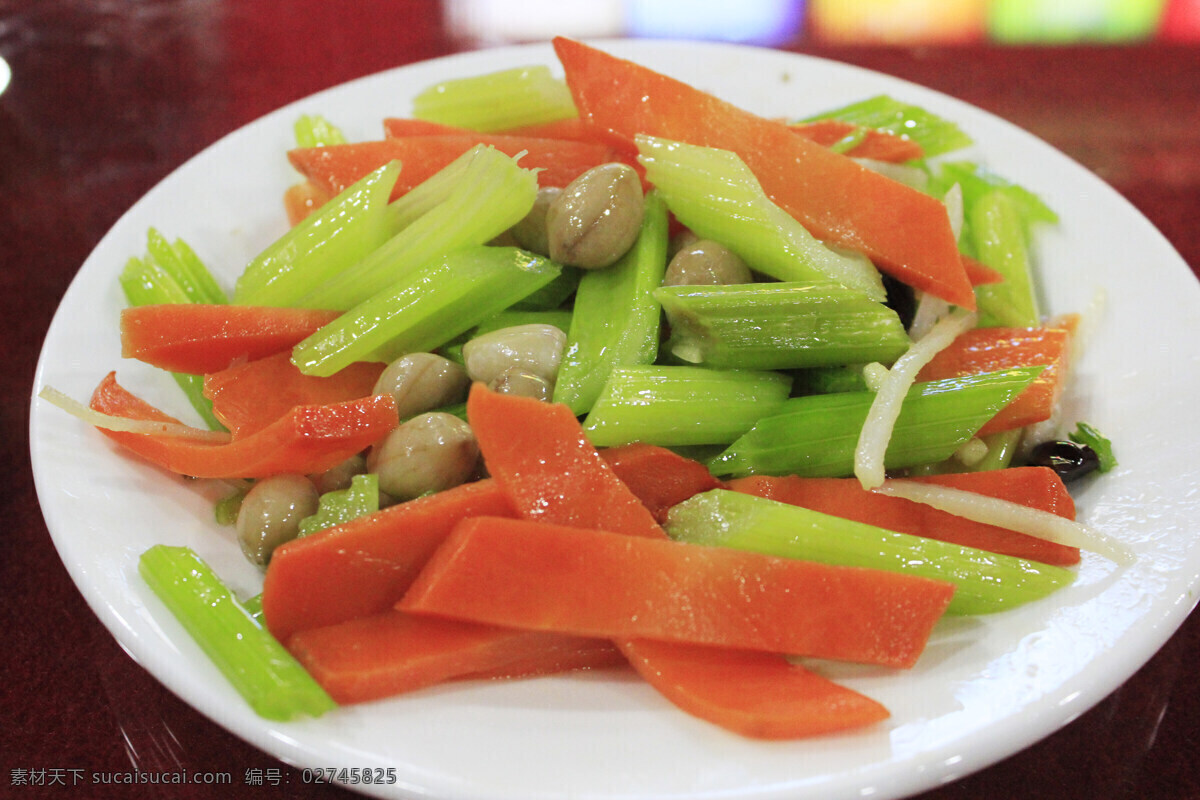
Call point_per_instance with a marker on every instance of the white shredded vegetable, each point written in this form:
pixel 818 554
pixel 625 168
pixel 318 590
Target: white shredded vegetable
pixel 953 200
pixel 113 423
pixel 885 408
pixel 929 311
pixel 1014 516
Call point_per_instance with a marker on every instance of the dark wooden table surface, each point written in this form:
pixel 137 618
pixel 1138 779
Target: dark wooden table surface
pixel 107 98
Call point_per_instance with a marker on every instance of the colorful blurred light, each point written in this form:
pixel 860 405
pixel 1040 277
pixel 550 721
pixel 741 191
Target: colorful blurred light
pixel 764 22
pixel 1065 21
pixel 898 21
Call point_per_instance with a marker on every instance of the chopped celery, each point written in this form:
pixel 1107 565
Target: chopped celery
pixel 326 242
pixel 313 130
pixel 428 194
pixel 779 326
pixel 554 293
pixel 559 318
pixel 674 406
pixel 490 196
pixel 827 380
pixel 497 101
pixel 257 665
pixel 171 272
pixel 816 435
pixel 343 505
pixel 253 607
pixel 225 510
pixel 975 181
pixel 985 582
pixel 716 195
pixel 426 308
pixel 1088 435
pixel 998 235
pixel 616 318
pixel 935 134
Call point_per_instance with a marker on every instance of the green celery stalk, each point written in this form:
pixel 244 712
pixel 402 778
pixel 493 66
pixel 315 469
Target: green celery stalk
pixel 935 134
pixel 492 194
pixel 779 326
pixel 985 582
pixel 343 505
pixel 716 195
pixel 559 318
pixel 975 181
pixel 253 607
pixel 497 101
pixel 313 130
pixel 340 233
pixel 616 318
pixel 998 234
pixel 426 308
pixel 674 406
pixel 428 194
pixel 172 273
pixel 555 293
pixel 258 666
pixel 827 380
pixel 816 435
pixel 1088 435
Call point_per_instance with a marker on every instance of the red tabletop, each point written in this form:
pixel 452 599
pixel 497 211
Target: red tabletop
pixel 107 98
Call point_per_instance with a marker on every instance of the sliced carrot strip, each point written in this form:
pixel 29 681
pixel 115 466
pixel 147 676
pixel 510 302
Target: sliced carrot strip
pixel 538 452
pixel 541 576
pixel 308 439
pixel 199 338
pixel 989 349
pixel 770 698
pixel 658 477
pixel 335 167
pixel 248 397
pixel 392 652
pixel 906 233
pixel 876 144
pixel 364 566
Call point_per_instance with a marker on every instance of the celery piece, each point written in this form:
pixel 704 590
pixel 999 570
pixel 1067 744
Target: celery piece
pixel 616 318
pixel 428 194
pixel 554 293
pixel 253 607
pixel 827 380
pixel 426 308
pixel 998 235
pixel 225 510
pixel 172 273
pixel 816 435
pixel 313 130
pixel 976 181
pixel 340 233
pixel 935 134
pixel 343 505
pixel 716 195
pixel 779 326
pixel 490 196
pixel 559 318
pixel 258 666
pixel 1088 435
pixel 497 101
pixel 984 582
pixel 179 261
pixel 673 406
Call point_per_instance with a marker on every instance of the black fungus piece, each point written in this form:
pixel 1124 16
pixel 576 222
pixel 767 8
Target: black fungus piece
pixel 1071 460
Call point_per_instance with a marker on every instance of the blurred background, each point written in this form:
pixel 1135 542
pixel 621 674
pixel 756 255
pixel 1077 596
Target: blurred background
pixel 791 22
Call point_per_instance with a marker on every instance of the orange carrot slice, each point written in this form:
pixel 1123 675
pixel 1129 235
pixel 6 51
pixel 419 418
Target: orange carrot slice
pixel 307 439
pixel 770 698
pixel 989 349
pixel 364 566
pixel 541 576
pixel 658 477
pixel 392 653
pixel 906 233
pixel 199 338
pixel 248 397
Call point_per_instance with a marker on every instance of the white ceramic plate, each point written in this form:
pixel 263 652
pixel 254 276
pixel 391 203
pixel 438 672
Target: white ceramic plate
pixel 985 688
